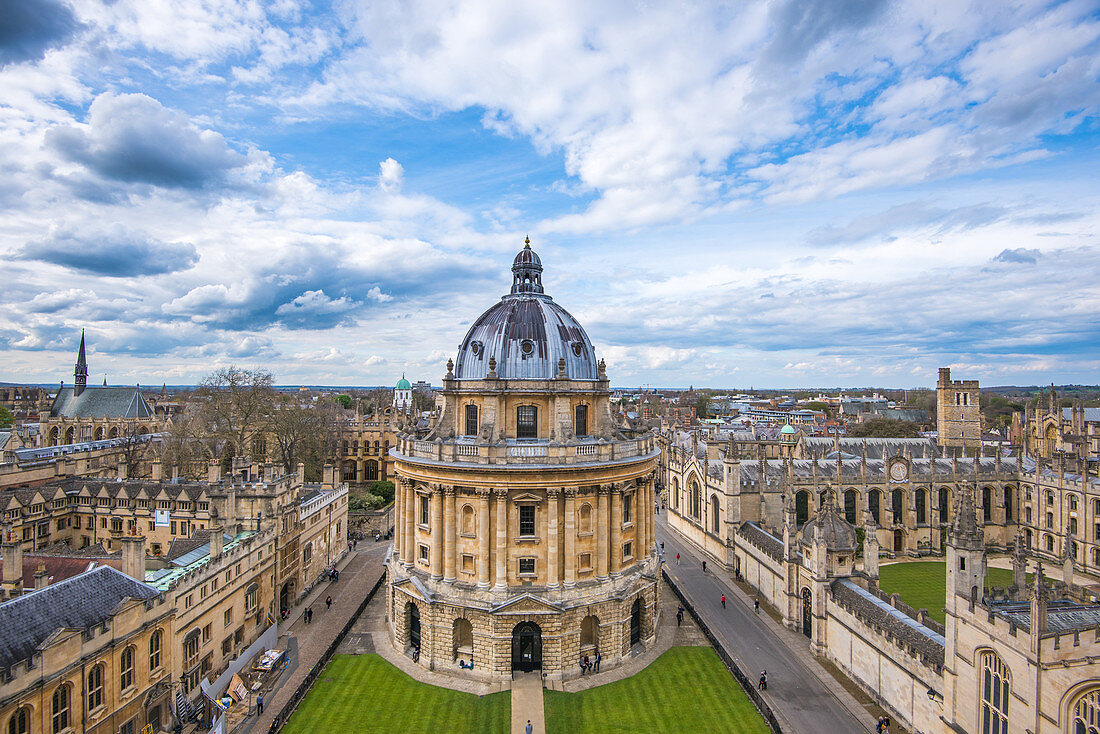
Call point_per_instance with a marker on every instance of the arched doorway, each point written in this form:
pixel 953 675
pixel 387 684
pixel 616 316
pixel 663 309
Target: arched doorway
pixel 807 613
pixel 899 541
pixel 526 647
pixel 412 619
pixel 636 622
pixel 372 469
pixel 286 596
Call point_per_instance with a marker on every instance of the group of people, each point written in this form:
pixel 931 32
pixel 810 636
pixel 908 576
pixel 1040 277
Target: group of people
pixel 763 684
pixel 591 664
pixel 464 665
pixel 333 574
pixel 307 615
pixel 883 725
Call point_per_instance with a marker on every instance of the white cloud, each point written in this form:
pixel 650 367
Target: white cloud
pixel 391 175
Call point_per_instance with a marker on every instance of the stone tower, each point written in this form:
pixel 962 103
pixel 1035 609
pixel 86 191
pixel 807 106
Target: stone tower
pixel 965 551
pixel 80 373
pixel 958 412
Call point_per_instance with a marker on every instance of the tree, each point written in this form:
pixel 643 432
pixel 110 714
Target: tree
pixel 818 406
pixel 383 488
pixel 701 406
pixel 132 450
pixel 884 428
pixel 293 427
pixel 345 401
pixel 6 417
pixel 237 403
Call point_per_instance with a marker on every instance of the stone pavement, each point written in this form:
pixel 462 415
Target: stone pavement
pixel 527 703
pixel 803 695
pixel 359 571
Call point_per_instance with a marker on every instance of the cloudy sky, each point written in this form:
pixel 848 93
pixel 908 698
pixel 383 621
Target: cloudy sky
pixel 815 192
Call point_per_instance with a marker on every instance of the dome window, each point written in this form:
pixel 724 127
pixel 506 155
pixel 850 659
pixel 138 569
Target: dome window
pixel 527 347
pixel 578 348
pixel 475 347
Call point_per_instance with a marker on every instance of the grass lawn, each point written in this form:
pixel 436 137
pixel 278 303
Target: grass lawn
pixel 358 693
pixel 922 584
pixel 685 690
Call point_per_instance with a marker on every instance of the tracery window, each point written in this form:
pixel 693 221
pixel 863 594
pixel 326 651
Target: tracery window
pixel 714 519
pixel 19 722
pixel 60 717
pixel 126 667
pixel 154 650
pixel 95 687
pixel 694 499
pixel 1086 714
pixel 995 687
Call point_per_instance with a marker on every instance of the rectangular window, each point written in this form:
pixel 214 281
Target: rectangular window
pixel 628 505
pixel 227 645
pixel 527 520
pixel 527 422
pixel 580 423
pixel 424 553
pixel 228 617
pixel 206 634
pixel 585 562
pixel 425 510
pixel 471 420
pixel 628 551
pixel 467 563
pixel 527 567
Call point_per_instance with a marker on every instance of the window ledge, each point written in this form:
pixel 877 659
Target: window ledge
pixel 527 539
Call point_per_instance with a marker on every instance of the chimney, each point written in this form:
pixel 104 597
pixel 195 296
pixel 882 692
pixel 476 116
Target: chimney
pixel 133 556
pixel 13 562
pixel 301 473
pixel 217 542
pixel 158 471
pixel 41 577
pixel 328 477
pixel 214 474
pixel 175 472
pixel 123 469
pixel 231 509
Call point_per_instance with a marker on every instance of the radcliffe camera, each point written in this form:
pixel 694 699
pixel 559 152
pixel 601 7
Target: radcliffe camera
pixel 552 368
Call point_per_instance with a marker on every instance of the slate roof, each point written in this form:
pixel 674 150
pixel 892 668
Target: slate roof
pixel 877 448
pixel 80 602
pixel 1063 615
pixel 59 568
pixel 762 539
pixel 101 402
pixel 1092 415
pixel 907 632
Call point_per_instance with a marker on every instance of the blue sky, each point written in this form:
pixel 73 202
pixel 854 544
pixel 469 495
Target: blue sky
pixel 834 193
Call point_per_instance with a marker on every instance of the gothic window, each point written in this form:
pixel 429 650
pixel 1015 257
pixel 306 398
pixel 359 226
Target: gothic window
pixel 801 508
pixel 347 472
pixel 945 505
pixel 581 420
pixel 873 505
pixel 987 503
pixel 154 650
pixel 19 723
pixel 1086 714
pixel 95 687
pixel 1073 526
pixel 1073 502
pixel 471 420
pixel 995 687
pixel 60 717
pixel 527 421
pixel 850 506
pixel 526 519
pixel 922 509
pixel 714 519
pixel 371 470
pixel 694 499
pixel 1009 502
pixel 1050 543
pixel 675 493
pixel 126 668
pixel 897 503
pixel 1050 519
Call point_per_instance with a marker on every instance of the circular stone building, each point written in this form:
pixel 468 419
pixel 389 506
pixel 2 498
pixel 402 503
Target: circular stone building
pixel 524 516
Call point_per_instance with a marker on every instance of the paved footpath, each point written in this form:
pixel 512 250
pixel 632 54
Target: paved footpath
pixel 359 571
pixel 527 703
pixel 805 700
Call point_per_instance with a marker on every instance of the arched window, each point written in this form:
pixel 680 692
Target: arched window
pixel 1009 503
pixel 527 423
pixel 1073 502
pixel 586 518
pixel 714 519
pixel 995 688
pixel 675 493
pixel 1050 543
pixel 371 470
pixel 154 650
pixel 347 472
pixel 873 506
pixel 19 723
pixel 922 507
pixel 1086 714
pixel 850 506
pixel 580 420
pixel 471 420
pixel 695 499
pixel 95 687
pixel 1073 526
pixel 987 503
pixel 469 520
pixel 126 669
pixel 945 505
pixel 60 706
pixel 801 508
pixel 463 634
pixel 897 506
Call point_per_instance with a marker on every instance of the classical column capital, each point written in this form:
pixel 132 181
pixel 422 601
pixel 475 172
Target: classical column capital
pixel 553 492
pixel 449 490
pixel 570 491
pixel 604 489
pixel 500 493
pixel 482 491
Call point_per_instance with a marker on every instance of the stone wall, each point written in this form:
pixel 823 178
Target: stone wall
pixel 368 521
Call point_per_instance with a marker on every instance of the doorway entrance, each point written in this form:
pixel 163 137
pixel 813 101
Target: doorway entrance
pixel 807 613
pixel 636 622
pixel 526 647
pixel 899 541
pixel 286 596
pixel 414 625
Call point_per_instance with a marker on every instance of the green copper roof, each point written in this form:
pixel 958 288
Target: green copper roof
pixel 403 384
pixel 787 429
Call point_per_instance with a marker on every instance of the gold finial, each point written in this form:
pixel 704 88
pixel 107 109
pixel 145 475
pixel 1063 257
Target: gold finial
pixel 527 241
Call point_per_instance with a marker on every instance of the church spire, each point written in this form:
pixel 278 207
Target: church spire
pixel 80 374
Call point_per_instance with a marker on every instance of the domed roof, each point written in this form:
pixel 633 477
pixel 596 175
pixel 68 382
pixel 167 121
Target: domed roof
pixel 526 333
pixel 789 429
pixel 403 384
pixel 838 534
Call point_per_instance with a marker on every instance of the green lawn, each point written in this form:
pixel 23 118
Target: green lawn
pixel 685 690
pixel 922 584
pixel 357 693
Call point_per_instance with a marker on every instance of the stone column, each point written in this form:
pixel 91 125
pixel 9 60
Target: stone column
pixel 437 532
pixel 449 534
pixel 602 528
pixel 398 519
pixel 570 537
pixel 553 565
pixel 651 517
pixel 500 515
pixel 616 549
pixel 483 539
pixel 410 523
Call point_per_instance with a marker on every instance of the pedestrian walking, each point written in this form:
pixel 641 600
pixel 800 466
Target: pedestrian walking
pixel 677 559
pixel 528 729
pixel 274 726
pixel 763 686
pixel 756 605
pixel 679 618
pixel 259 704
pixel 355 544
pixel 328 603
pixel 704 566
pixel 723 601
pixel 596 665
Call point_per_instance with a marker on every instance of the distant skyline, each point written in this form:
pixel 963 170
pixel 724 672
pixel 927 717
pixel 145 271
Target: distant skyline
pixel 780 194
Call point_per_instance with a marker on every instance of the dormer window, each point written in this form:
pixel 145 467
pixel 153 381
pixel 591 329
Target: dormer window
pixel 527 421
